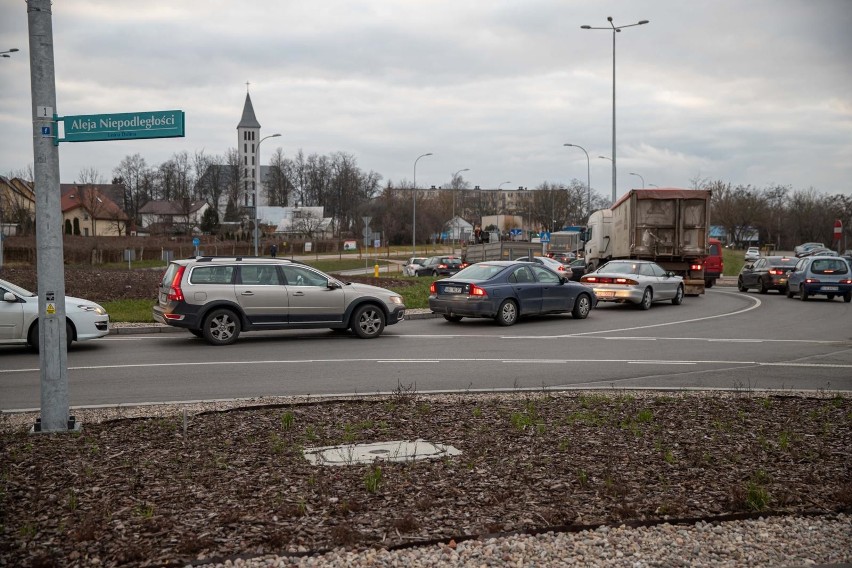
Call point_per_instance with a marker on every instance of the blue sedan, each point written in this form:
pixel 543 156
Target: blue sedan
pixel 506 291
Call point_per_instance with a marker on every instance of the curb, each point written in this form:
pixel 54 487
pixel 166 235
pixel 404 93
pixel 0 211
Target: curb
pixel 133 329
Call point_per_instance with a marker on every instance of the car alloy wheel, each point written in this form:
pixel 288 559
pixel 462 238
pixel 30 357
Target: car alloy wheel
pixel 678 299
pixel 761 286
pixel 507 314
pixel 647 298
pixel 221 327
pixel 740 286
pixel 32 336
pixel 803 295
pixel 368 322
pixel 582 307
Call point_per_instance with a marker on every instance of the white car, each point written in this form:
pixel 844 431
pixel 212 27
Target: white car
pixel 554 265
pixel 412 265
pixel 753 253
pixel 19 317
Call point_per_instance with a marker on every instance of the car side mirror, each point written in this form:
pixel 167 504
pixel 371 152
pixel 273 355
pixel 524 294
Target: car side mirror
pixel 669 274
pixel 793 269
pixel 9 297
pixel 333 285
pixel 748 266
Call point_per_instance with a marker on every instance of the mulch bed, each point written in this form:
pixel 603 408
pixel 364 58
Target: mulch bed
pixel 143 491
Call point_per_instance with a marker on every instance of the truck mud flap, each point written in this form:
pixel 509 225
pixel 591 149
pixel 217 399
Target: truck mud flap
pixel 693 287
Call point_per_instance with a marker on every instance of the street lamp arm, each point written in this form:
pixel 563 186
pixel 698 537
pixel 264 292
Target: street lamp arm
pixel 256 186
pixel 414 207
pixel 588 177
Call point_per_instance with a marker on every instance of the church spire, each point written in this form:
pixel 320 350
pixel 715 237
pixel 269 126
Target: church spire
pixel 248 119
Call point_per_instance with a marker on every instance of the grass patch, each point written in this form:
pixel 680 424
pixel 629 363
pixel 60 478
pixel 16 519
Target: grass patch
pixel 130 310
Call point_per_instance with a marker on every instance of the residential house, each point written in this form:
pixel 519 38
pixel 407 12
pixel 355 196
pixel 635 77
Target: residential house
pixel 169 217
pixel 17 206
pixel 89 212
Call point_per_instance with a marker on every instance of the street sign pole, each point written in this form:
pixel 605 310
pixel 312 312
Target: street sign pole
pixel 53 354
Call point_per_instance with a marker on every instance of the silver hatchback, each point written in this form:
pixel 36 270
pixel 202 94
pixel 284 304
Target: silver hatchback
pixel 218 297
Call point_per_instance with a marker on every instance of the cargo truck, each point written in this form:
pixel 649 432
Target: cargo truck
pixel 666 225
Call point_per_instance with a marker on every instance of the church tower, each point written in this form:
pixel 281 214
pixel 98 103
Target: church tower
pixel 248 135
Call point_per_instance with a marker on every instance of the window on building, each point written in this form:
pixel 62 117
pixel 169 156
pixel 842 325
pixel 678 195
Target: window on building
pixel 245 159
pixel 252 148
pixel 252 160
pixel 245 148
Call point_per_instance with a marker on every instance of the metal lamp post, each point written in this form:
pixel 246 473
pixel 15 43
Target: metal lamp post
pixel 256 185
pixel 453 237
pixel 614 29
pixel 414 208
pixel 640 177
pixel 588 177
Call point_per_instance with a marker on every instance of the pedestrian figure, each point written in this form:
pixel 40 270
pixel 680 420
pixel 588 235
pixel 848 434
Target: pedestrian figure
pixel 273 250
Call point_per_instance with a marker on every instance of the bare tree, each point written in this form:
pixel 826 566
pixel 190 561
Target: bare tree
pixel 133 173
pixel 277 184
pixel 88 176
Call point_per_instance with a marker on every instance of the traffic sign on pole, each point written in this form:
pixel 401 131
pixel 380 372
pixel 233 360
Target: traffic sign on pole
pixel 838 229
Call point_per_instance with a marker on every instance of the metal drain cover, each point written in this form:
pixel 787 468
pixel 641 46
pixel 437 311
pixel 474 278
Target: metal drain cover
pixel 400 451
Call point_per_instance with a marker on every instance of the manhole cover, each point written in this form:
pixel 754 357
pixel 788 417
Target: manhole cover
pixel 400 451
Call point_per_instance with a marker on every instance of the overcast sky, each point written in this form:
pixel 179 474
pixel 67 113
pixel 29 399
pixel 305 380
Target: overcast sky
pixel 756 92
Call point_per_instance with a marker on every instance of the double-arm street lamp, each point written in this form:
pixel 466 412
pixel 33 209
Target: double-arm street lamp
pixel 454 225
pixel 640 177
pixel 8 51
pixel 588 178
pixel 414 208
pixel 257 185
pixel 614 29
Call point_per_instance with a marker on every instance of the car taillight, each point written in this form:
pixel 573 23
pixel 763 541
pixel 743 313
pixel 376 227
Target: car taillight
pixel 592 279
pixel 432 288
pixel 477 291
pixel 776 272
pixel 846 281
pixel 175 292
pixel 811 281
pixel 561 268
pixel 626 281
pixel 442 266
pixel 695 267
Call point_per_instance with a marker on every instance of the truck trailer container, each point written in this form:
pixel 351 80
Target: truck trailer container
pixel 666 225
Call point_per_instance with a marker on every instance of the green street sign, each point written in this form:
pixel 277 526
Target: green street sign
pixel 123 126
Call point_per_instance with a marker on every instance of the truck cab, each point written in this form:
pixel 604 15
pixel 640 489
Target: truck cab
pixel 598 249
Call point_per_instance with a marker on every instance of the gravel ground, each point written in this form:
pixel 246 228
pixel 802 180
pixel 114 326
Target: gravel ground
pixel 544 479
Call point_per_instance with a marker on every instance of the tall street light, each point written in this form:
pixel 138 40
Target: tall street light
pixel 640 177
pixel 8 51
pixel 453 237
pixel 588 177
pixel 256 185
pixel 502 184
pixel 614 29
pixel 414 208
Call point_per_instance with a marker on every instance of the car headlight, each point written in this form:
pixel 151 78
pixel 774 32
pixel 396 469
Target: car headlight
pixel 396 300
pixel 92 308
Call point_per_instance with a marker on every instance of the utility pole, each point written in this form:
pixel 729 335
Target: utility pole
pixel 53 352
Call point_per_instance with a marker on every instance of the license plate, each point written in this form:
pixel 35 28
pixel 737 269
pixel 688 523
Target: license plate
pixel 605 294
pixel 452 290
pixel 830 288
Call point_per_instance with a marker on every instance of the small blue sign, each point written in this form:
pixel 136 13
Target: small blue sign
pixel 45 131
pixel 516 232
pixel 196 241
pixel 545 236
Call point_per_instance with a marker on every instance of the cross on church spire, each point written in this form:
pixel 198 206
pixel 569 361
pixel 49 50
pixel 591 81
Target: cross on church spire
pixel 247 87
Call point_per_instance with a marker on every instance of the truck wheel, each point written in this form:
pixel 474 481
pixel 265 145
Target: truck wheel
pixel 740 286
pixel 221 327
pixel 761 286
pixel 582 307
pixel 678 299
pixel 647 299
pixel 368 322
pixel 507 314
